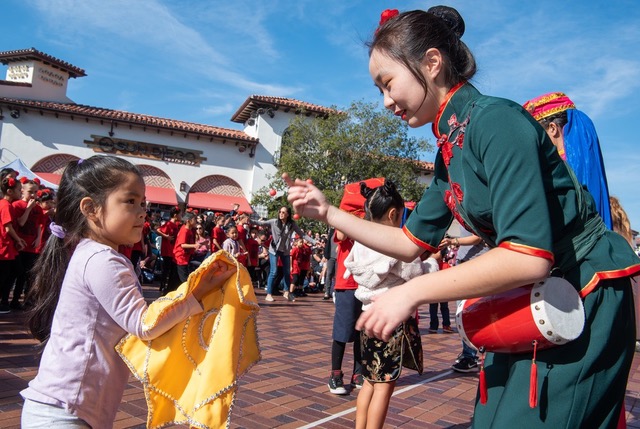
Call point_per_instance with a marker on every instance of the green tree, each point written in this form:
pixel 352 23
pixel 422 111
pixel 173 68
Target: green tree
pixel 361 142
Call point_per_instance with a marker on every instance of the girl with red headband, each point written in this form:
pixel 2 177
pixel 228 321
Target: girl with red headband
pixel 10 241
pixel 29 220
pixel 498 173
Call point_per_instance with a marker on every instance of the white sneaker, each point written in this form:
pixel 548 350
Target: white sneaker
pixel 268 298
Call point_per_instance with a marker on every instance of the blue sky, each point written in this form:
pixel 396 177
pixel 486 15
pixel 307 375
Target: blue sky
pixel 198 60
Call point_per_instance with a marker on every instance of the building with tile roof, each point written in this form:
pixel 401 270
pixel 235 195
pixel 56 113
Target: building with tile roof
pixel 202 166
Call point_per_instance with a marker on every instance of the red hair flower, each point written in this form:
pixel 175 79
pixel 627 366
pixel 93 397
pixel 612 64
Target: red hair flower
pixel 23 180
pixel 11 182
pixel 36 180
pixel 387 15
pixel 39 194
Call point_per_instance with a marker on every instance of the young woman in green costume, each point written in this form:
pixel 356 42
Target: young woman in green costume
pixel 499 175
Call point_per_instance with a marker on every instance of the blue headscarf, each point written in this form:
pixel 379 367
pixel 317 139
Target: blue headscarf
pixel 582 149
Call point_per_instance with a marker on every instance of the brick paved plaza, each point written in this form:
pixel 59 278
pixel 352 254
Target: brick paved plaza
pixel 288 388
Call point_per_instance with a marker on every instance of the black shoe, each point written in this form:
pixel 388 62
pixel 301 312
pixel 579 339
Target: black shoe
pixel 357 380
pixel 4 308
pixel 465 364
pixel 15 305
pixel 336 385
pixel 326 297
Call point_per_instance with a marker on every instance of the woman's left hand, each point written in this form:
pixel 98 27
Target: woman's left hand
pixel 386 312
pixel 306 199
pixel 215 276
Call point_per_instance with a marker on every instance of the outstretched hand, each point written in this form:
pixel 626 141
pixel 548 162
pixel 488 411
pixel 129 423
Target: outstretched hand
pixel 215 276
pixel 306 199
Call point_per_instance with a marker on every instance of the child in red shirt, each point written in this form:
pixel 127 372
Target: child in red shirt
pixel 10 242
pixel 29 227
pixel 184 248
pixel 300 264
pixel 252 246
pixel 218 236
pixel 168 232
pixel 46 201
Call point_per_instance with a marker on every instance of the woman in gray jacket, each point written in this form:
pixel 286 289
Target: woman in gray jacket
pixel 281 230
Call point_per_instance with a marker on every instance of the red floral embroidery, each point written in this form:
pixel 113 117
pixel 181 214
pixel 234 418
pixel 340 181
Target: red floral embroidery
pixel 447 152
pixel 460 139
pixel 453 121
pixel 457 191
pixel 450 201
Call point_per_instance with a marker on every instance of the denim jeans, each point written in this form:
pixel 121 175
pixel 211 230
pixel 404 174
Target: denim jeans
pixel 273 269
pixel 38 415
pixel 433 315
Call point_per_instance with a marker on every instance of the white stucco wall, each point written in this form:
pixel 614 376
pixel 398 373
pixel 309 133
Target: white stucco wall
pixel 33 137
pixel 47 83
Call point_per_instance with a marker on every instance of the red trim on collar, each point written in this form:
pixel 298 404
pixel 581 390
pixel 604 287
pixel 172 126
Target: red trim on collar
pixel 434 125
pixel 419 242
pixel 608 275
pixel 527 250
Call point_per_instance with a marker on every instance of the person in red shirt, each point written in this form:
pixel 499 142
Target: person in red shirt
pixel 28 218
pixel 348 309
pixel 218 236
pixel 241 225
pixel 300 264
pixel 10 242
pixel 47 202
pixel 252 246
pixel 139 250
pixel 184 247
pixel 126 250
pixel 168 232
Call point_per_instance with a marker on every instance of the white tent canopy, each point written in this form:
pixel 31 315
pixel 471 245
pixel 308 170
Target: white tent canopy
pixel 22 169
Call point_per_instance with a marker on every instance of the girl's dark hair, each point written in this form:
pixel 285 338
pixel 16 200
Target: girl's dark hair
pixel 560 119
pixel 174 211
pixel 407 37
pixel 95 177
pixel 5 172
pixel 8 183
pixel 45 194
pixel 379 200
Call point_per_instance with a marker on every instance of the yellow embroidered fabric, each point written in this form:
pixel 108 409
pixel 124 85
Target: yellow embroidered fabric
pixel 190 373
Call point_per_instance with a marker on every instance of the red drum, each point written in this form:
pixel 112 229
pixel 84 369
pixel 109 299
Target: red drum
pixel 550 312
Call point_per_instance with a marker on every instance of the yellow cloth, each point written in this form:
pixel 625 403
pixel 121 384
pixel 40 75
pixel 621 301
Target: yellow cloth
pixel 190 373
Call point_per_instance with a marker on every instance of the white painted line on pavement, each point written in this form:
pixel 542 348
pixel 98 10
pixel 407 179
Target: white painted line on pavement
pixel 397 392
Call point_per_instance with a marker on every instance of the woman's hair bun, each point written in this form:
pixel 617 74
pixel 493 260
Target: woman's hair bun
pixel 451 17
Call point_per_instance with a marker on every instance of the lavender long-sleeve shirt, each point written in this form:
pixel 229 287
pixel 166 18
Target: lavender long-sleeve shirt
pixel 100 301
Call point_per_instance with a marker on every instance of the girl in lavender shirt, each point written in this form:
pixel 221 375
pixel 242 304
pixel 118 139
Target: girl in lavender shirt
pixel 88 297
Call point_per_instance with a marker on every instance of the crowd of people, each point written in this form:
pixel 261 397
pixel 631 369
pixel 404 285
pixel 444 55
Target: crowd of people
pixel 172 248
pixel 26 211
